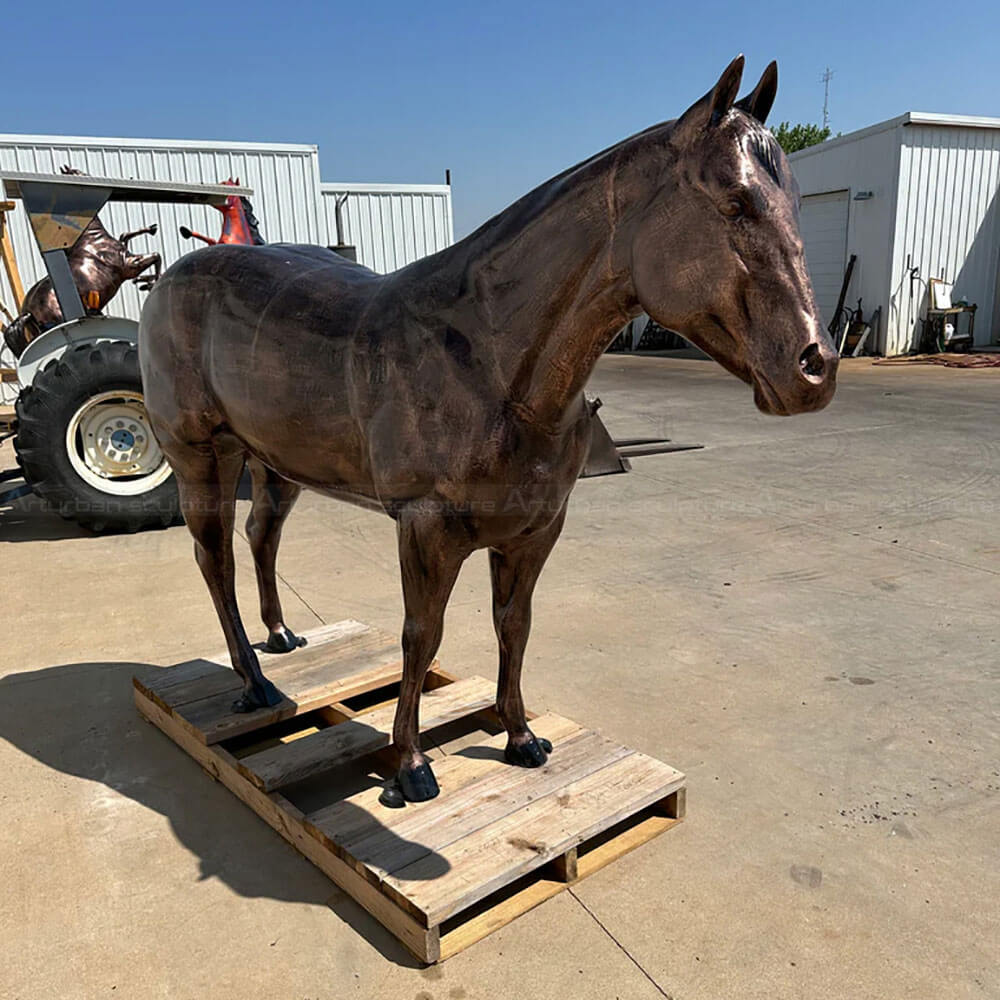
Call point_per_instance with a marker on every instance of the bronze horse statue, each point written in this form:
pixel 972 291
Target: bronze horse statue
pixel 449 394
pixel 100 265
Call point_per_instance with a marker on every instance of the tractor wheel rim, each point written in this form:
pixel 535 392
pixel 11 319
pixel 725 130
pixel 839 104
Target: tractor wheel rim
pixel 111 446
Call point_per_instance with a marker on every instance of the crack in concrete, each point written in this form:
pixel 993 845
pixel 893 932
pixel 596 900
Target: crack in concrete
pixel 284 580
pixel 659 989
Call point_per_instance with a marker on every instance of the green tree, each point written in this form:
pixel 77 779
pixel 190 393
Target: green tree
pixel 792 138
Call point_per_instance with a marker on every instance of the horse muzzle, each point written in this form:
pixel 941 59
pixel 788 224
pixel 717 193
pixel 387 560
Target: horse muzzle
pixel 810 386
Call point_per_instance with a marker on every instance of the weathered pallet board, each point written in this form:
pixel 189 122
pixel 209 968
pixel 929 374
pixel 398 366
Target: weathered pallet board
pixel 340 744
pixel 339 662
pixel 443 874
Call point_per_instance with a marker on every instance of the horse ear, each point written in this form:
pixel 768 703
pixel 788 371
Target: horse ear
pixel 717 102
pixel 758 102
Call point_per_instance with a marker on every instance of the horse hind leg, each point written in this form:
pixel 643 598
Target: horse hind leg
pixel 207 479
pixel 273 498
pixel 136 265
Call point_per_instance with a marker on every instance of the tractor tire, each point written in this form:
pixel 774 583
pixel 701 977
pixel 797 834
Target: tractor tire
pixel 86 446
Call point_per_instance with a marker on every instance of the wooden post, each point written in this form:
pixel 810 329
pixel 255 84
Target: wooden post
pixel 7 252
pixel 564 867
pixel 675 804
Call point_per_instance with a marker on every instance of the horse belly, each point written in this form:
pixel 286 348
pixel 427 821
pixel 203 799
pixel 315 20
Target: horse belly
pixel 289 406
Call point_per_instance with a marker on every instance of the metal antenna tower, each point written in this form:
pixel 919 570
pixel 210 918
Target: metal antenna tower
pixel 826 78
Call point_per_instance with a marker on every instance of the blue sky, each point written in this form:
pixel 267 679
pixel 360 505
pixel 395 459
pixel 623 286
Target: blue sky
pixel 505 95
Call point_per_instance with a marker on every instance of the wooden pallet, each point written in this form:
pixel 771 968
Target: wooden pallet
pixel 443 874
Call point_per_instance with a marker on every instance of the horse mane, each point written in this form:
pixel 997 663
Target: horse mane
pixel 759 139
pixel 764 148
pixel 252 224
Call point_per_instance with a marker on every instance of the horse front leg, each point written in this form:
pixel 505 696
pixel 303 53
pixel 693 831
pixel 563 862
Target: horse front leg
pixel 148 231
pixel 430 556
pixel 514 571
pixel 189 234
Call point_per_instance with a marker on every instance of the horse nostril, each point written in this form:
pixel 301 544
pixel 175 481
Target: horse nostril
pixel 811 362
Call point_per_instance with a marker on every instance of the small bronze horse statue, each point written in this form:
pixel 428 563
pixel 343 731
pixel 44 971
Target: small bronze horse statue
pixel 100 265
pixel 449 394
pixel 239 224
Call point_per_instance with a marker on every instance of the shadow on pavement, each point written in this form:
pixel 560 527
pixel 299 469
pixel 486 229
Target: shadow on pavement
pixel 27 519
pixel 80 719
pixel 30 519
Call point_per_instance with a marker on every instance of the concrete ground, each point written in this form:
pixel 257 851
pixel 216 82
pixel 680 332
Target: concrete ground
pixel 801 617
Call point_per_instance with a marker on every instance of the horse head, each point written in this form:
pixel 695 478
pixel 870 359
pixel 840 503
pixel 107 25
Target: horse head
pixel 717 256
pixel 232 203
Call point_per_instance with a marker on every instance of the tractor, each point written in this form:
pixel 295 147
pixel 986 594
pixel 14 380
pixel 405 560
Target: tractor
pixel 79 427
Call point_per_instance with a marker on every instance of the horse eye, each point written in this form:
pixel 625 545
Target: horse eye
pixel 732 208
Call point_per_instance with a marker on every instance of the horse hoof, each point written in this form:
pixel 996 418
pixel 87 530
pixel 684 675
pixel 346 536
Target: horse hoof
pixel 262 695
pixel 284 640
pixel 534 753
pixel 418 784
pixel 392 795
pixel 245 704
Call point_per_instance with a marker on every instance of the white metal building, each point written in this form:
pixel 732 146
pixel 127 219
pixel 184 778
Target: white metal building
pixel 917 191
pixel 391 225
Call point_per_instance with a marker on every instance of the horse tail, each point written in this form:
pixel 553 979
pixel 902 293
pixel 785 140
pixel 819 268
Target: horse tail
pixel 19 332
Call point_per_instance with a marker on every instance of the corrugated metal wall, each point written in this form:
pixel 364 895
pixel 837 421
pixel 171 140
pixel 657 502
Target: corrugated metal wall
pixel 285 180
pixel 391 224
pixel 947 224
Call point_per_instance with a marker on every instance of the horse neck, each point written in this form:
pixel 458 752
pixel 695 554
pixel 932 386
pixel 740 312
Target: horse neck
pixel 547 283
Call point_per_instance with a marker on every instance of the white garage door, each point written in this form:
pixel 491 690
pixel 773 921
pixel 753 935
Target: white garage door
pixel 823 223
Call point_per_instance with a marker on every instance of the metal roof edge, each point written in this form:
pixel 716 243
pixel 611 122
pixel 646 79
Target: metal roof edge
pixel 907 118
pixel 936 118
pixel 332 187
pixel 840 140
pixel 216 145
